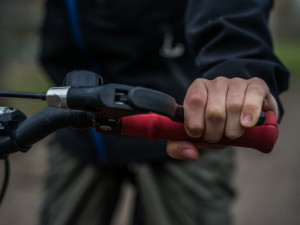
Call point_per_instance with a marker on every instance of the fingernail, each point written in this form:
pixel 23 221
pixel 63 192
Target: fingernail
pixel 247 120
pixel 189 154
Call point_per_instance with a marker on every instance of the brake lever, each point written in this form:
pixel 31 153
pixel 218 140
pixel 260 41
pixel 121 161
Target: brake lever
pixel 125 109
pixel 114 101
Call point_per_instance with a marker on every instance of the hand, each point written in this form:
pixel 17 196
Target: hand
pixel 220 107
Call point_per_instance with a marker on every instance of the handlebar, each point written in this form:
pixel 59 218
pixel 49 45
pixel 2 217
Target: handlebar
pixel 113 108
pixel 118 109
pixel 151 126
pixel 42 124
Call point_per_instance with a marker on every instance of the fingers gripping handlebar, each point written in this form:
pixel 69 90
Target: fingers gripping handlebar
pixel 122 109
pixel 154 126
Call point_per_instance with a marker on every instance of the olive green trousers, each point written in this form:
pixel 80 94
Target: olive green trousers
pixel 167 193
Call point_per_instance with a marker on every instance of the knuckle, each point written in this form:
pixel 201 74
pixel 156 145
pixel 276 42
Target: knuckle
pixel 234 106
pixel 215 114
pixel 258 85
pixel 256 80
pixel 220 80
pixel 256 90
pixel 194 99
pixel 236 80
pixel 198 80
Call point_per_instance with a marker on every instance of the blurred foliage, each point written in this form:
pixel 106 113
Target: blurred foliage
pixel 289 54
pixel 19 37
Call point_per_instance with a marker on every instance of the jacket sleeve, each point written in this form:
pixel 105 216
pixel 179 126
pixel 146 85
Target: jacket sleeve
pixel 231 38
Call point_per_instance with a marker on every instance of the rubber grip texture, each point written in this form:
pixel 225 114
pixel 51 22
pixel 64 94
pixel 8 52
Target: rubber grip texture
pixel 154 126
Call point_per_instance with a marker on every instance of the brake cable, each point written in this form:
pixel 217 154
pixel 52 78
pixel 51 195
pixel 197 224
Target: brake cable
pixel 18 94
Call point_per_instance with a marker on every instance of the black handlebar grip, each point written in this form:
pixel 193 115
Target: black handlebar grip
pixel 48 121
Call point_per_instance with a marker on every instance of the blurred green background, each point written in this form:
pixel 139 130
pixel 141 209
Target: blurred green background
pixel 19 38
pixel 268 191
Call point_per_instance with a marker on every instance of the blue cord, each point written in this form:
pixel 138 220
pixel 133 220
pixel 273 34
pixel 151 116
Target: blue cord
pixel 77 35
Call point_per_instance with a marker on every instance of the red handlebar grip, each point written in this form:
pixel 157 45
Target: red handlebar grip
pixel 154 126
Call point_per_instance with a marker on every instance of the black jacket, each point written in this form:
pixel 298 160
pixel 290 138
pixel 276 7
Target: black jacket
pixel 160 44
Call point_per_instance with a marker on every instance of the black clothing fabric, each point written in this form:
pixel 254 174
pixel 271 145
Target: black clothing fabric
pixel 126 37
pixel 232 39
